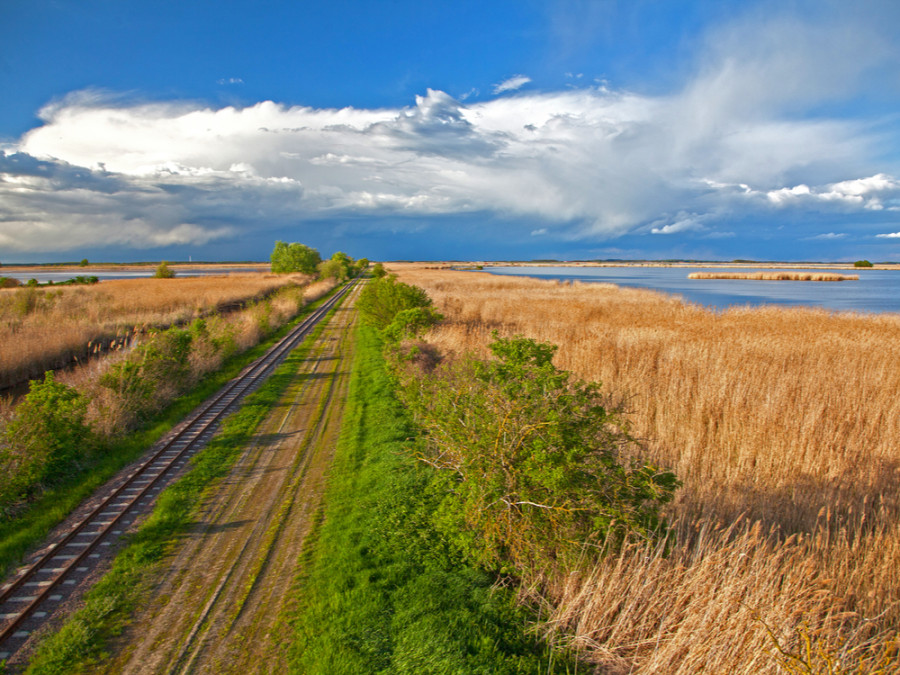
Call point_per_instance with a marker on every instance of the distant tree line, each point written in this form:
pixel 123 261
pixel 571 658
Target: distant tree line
pixel 299 258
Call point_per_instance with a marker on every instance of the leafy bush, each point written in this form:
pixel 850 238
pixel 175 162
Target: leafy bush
pixel 287 258
pixel 378 271
pixel 45 438
pixel 25 300
pixel 163 271
pixel 146 379
pixel 531 460
pixel 862 263
pixel 381 300
pixel 331 269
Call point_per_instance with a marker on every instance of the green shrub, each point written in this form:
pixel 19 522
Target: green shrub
pixel 331 269
pixel 140 380
pixel 531 460
pixel 45 438
pixel 862 263
pixel 9 282
pixel 381 300
pixel 25 300
pixel 163 271
pixel 378 271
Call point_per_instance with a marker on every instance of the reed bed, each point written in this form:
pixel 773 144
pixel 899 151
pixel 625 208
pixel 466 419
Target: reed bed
pixel 775 276
pixel 785 428
pixel 45 328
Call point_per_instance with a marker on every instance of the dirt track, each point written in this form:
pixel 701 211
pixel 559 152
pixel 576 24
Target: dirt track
pixel 215 608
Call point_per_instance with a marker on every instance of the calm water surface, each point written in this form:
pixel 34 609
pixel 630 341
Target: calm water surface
pixel 56 277
pixel 876 290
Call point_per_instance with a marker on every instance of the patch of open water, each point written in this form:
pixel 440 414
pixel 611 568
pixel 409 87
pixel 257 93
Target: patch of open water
pixel 876 290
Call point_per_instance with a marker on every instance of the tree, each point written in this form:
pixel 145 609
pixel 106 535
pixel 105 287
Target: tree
pixel 862 263
pixel 83 263
pixel 163 271
pixel 294 257
pixel 345 261
pixel 378 270
pixel 531 461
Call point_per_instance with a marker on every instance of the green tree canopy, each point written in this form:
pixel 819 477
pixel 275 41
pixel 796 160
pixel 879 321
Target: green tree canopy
pixel 294 257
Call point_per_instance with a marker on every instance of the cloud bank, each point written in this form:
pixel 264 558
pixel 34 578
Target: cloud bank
pixel 584 164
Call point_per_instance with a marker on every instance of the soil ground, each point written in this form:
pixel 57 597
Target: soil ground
pixel 216 606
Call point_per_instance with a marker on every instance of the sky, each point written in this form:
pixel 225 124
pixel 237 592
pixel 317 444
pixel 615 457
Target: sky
pixel 491 130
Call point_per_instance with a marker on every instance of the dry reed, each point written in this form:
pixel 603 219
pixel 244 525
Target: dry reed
pixel 785 428
pixel 44 328
pixel 775 276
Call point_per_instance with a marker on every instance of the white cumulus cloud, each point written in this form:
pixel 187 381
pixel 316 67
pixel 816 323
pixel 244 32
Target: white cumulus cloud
pixel 594 162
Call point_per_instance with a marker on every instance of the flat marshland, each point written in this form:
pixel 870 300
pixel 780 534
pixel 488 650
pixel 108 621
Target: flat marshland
pixel 784 426
pixel 42 328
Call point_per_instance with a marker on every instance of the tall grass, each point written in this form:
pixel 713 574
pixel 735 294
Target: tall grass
pixel 785 428
pixel 42 329
pixel 775 276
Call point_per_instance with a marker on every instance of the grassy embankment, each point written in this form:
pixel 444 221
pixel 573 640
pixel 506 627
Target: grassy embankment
pixel 785 428
pixel 79 645
pixel 381 591
pixel 112 448
pixel 44 328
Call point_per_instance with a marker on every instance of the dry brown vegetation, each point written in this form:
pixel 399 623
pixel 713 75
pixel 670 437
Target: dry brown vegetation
pixel 784 425
pixel 775 276
pixel 43 328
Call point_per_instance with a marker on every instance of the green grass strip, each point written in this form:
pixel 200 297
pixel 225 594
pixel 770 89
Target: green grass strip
pixel 380 592
pixel 19 535
pixel 79 645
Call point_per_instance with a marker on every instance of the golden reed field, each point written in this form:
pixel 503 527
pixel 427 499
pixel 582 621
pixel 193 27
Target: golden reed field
pixel 43 328
pixel 783 424
pixel 775 276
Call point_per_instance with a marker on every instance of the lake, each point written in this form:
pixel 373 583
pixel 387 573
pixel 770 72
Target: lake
pixel 876 290
pixel 56 277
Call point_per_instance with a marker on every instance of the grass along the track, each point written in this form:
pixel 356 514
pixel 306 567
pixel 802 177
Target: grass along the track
pixel 380 592
pixel 19 535
pixel 79 645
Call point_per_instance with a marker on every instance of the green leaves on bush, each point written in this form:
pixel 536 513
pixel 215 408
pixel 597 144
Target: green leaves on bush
pixel 163 271
pixel 386 302
pixel 47 436
pixel 532 460
pixel 141 381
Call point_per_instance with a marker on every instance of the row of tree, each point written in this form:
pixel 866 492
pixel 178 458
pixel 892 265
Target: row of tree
pixel 299 258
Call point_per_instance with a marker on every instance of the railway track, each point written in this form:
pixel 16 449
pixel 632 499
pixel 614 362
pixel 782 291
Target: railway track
pixel 30 597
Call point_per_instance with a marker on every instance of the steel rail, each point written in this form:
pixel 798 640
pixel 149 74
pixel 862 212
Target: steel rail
pixel 188 434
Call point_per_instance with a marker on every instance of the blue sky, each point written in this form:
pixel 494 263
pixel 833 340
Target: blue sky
pixel 467 130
